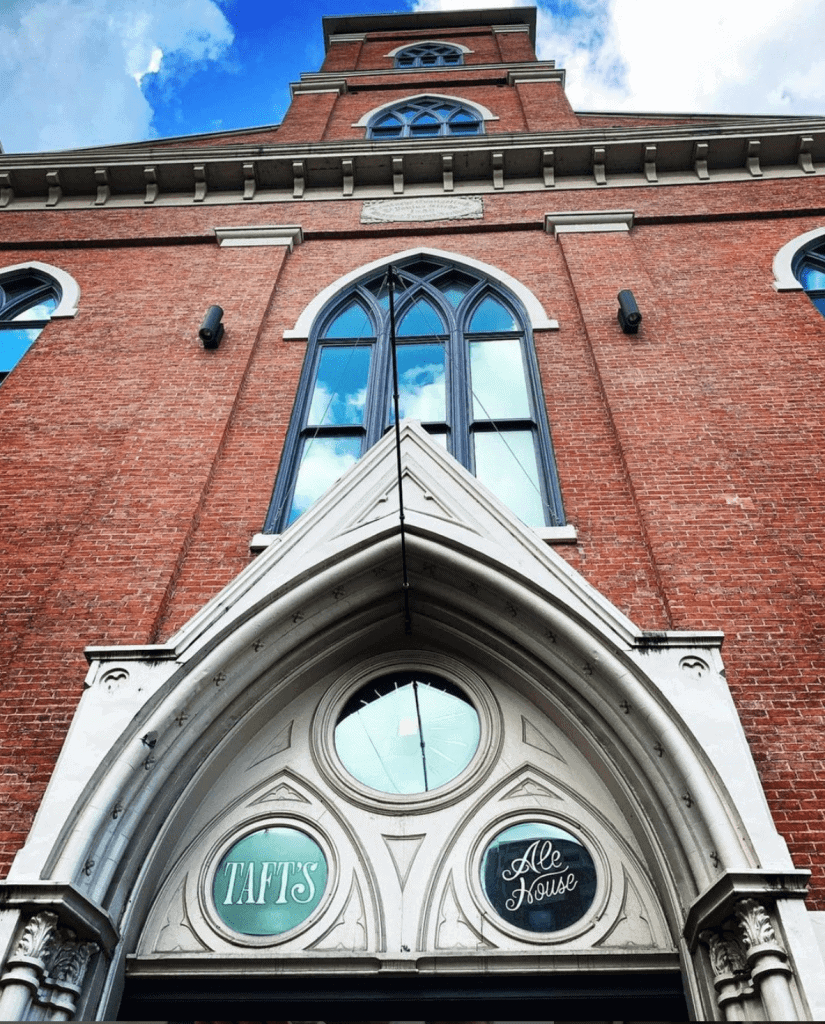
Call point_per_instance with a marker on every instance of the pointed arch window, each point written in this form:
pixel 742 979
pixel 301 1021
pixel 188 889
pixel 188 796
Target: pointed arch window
pixel 425 117
pixel 429 55
pixel 28 298
pixel 466 368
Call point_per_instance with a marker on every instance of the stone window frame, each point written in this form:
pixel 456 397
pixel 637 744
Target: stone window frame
pixel 790 260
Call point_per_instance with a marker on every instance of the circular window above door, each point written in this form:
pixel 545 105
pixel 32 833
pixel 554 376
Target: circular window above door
pixel 407 732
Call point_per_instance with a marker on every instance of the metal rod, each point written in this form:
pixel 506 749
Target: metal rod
pixel 405 584
pixel 421 735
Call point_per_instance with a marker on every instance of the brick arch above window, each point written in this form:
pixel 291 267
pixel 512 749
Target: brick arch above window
pixel 373 116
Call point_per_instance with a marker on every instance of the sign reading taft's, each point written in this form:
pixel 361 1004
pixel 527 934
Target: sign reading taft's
pixel 538 877
pixel 270 881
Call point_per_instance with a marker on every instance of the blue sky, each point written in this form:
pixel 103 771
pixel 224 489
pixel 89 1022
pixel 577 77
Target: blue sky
pixel 91 72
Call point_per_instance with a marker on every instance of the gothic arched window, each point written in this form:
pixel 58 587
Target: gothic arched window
pixel 466 370
pixel 28 297
pixel 427 55
pixel 809 270
pixel 425 117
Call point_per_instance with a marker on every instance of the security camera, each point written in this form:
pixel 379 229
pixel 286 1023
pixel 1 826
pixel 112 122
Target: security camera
pixel 628 316
pixel 211 330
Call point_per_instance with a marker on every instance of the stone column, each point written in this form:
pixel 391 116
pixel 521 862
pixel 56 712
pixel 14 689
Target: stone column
pixel 767 960
pixel 66 972
pixel 26 966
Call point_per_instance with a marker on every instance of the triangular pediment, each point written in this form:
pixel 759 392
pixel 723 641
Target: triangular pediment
pixel 446 508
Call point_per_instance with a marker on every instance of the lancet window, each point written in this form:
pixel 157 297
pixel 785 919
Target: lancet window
pixel 467 370
pixel 27 300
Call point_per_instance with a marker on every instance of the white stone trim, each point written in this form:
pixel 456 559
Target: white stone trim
pixel 526 77
pixel 486 114
pixel 265 234
pixel 430 42
pixel 509 28
pixel 588 220
pixel 69 288
pixel 534 309
pixel 783 261
pixel 557 534
pixel 338 86
pixel 349 37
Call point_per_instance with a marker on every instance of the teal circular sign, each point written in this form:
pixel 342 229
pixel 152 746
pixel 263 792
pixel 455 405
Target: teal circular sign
pixel 269 882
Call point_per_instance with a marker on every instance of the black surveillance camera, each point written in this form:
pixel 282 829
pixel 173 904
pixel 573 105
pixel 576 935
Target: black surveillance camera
pixel 211 330
pixel 628 316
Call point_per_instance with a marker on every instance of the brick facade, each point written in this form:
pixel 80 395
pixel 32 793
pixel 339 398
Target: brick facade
pixel 136 465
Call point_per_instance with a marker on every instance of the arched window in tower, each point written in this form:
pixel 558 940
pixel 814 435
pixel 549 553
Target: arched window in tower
pixel 428 55
pixel 425 117
pixel 466 369
pixel 809 270
pixel 28 297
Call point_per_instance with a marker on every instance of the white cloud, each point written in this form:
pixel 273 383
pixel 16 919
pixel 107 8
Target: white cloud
pixel 72 68
pixel 723 56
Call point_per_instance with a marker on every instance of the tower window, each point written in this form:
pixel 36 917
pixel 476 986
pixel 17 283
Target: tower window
pixel 428 55
pixel 27 300
pixel 466 370
pixel 424 118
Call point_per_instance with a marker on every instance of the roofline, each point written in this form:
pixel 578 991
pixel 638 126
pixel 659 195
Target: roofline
pixel 353 23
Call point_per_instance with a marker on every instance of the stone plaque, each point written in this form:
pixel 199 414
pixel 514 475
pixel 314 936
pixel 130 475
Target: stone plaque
pixel 387 211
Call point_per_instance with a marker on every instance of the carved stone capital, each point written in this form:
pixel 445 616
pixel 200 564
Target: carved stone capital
pixel 755 928
pixel 40 934
pixel 69 962
pixel 727 957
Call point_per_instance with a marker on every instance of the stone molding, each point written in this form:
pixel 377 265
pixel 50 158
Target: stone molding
pixel 338 86
pixel 528 77
pixel 443 41
pixel 69 288
pixel 288 235
pixel 567 222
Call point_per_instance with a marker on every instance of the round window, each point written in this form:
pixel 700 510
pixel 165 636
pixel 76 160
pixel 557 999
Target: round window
pixel 270 881
pixel 407 732
pixel 538 877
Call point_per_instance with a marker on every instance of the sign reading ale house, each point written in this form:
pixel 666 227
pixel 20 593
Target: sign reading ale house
pixel 270 881
pixel 538 877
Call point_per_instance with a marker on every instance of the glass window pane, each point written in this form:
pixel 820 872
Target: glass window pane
pixel 421 268
pixel 420 129
pixel 819 302
pixel 352 323
pixel 42 311
pixel 270 882
pixel 397 727
pixel 490 315
pixel 323 460
pixel 421 383
pixel 13 346
pixel 812 277
pixel 420 319
pixel 340 386
pixel 506 463
pixel 497 379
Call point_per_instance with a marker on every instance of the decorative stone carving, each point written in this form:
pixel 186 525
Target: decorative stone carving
pixel 38 939
pixel 726 954
pixel 533 738
pixel 453 930
pixel 694 666
pixel 349 930
pixel 403 850
pixel 425 208
pixel 755 925
pixel 531 789
pixel 69 962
